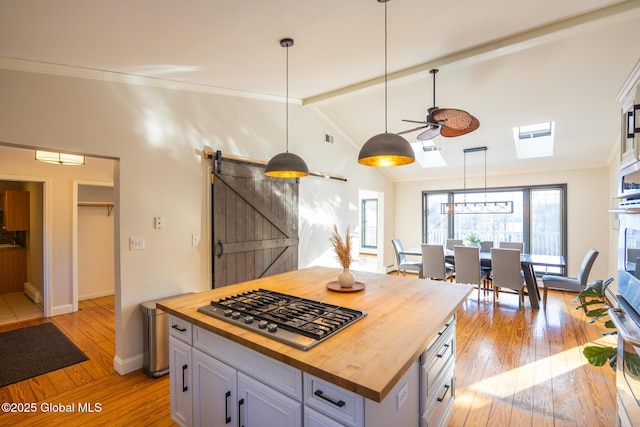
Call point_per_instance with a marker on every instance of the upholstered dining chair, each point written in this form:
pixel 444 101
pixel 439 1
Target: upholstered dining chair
pixel 453 242
pixel 486 246
pixel 573 284
pixel 433 264
pixel 468 269
pixel 506 272
pixel 402 263
pixel 512 245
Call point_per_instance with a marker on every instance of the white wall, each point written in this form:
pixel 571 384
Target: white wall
pixel 96 276
pixel 157 136
pixel 589 223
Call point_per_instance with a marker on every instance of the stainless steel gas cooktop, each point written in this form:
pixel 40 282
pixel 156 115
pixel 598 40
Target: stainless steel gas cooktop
pixel 299 322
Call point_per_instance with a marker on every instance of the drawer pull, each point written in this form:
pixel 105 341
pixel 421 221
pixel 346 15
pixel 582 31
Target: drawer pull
pixel 446 390
pixel 443 351
pixel 227 418
pixel 240 403
pixel 178 328
pixel 184 386
pixel 339 403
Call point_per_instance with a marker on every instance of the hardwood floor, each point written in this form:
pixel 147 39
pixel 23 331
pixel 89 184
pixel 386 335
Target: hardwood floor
pixel 523 367
pixel 130 400
pixel 515 367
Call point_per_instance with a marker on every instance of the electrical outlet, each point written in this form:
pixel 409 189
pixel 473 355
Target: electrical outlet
pixel 136 243
pixel 158 222
pixel 402 395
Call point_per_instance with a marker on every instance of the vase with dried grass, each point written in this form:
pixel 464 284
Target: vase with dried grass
pixel 342 248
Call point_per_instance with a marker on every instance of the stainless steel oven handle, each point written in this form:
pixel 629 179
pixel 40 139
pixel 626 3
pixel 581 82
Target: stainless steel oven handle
pixel 622 331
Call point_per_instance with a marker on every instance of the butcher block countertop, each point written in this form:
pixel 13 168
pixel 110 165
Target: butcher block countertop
pixel 368 357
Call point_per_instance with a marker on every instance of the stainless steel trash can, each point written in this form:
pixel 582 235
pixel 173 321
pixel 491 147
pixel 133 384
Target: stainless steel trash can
pixel 156 340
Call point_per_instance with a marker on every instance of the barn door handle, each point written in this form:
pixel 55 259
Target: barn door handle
pixel 220 249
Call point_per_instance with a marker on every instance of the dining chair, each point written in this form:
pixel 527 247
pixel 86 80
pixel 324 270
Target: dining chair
pixel 512 245
pixel 402 263
pixel 468 270
pixel 453 242
pixel 506 272
pixel 433 263
pixel 486 246
pixel 573 284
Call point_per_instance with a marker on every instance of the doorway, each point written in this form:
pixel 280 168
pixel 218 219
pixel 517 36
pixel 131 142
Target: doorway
pixel 371 229
pixel 22 293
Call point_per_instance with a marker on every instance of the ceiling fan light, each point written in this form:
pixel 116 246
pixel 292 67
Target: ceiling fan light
pixel 286 165
pixel 385 150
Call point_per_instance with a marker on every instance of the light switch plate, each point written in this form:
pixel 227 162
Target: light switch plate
pixel 136 243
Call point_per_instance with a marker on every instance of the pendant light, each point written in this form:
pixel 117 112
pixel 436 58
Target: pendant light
pixel 286 165
pixel 386 149
pixel 502 207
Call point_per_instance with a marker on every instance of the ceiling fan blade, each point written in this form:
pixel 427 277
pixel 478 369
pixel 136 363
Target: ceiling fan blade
pixel 412 130
pixel 430 133
pixel 452 118
pixel 415 121
pixel 450 133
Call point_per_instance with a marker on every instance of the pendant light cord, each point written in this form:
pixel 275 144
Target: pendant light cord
pixel 287 103
pixel 385 68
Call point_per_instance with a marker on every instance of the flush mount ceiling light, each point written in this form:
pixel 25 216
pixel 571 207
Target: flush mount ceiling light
pixel 59 158
pixel 286 165
pixel 502 207
pixel 448 122
pixel 386 149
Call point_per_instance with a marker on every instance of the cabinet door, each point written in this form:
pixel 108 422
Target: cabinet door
pixel 16 210
pixel 179 381
pixel 214 392
pixel 258 403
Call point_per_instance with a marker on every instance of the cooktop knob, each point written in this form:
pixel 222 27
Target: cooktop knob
pixel 272 328
pixel 235 315
pixel 263 324
pixel 248 319
pixel 227 313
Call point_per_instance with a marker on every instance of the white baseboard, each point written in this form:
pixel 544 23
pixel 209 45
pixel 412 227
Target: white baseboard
pixel 96 295
pixel 32 293
pixel 129 365
pixel 61 309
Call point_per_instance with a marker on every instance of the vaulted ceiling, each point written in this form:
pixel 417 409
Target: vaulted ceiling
pixel 507 62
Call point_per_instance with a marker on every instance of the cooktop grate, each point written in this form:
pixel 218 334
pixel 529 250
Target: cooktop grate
pixel 296 321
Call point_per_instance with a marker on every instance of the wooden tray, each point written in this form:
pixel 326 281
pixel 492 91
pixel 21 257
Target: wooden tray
pixel 335 286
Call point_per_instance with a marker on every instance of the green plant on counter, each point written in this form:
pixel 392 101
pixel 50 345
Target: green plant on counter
pixel 592 301
pixel 474 237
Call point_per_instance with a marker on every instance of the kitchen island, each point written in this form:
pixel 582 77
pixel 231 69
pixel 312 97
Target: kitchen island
pixel 385 362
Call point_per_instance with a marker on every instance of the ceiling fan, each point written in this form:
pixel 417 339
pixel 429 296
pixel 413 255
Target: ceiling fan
pixel 448 122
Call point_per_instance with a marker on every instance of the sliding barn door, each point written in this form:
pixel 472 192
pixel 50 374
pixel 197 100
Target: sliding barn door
pixel 255 224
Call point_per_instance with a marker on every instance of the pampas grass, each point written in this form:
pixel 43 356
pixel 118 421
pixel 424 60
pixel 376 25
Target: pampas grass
pixel 342 247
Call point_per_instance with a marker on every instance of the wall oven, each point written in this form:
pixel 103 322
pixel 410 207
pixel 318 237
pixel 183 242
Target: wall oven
pixel 626 316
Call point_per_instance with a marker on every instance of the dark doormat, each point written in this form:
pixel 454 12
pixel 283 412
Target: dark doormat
pixel 35 350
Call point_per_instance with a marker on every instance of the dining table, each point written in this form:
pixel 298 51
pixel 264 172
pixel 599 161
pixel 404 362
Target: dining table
pixel 528 262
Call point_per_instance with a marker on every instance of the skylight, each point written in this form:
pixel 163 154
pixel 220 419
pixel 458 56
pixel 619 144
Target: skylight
pixel 428 154
pixel 534 140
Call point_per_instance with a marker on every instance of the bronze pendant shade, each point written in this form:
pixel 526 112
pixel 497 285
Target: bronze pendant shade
pixel 386 149
pixel 286 165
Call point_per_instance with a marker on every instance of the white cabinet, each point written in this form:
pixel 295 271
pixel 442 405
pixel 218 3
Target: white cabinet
pixel 223 396
pixel 259 405
pixel 214 391
pixel 179 381
pixel 218 382
pixel 437 378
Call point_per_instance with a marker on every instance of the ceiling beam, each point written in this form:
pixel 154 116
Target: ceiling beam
pixel 518 42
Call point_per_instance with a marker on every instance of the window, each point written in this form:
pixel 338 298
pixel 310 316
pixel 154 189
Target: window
pixel 538 219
